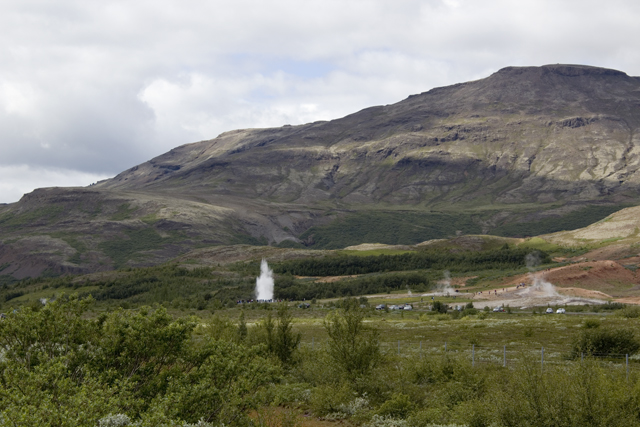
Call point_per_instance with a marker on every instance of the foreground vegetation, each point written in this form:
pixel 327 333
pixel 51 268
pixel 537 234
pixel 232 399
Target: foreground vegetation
pixel 64 365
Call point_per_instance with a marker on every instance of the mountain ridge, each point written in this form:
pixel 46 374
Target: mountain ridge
pixel 521 146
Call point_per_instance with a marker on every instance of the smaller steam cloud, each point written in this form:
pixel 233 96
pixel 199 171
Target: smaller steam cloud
pixel 532 260
pixel 444 286
pixel 264 283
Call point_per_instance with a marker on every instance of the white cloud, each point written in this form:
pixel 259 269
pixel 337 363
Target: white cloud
pixel 98 86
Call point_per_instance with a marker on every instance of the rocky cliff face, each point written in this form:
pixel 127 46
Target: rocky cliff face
pixel 522 144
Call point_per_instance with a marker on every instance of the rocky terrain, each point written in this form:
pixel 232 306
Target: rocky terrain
pixel 526 146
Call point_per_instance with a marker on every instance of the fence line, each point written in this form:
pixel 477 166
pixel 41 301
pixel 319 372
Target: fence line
pixel 504 355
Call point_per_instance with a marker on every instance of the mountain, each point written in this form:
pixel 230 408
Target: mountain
pixel 525 151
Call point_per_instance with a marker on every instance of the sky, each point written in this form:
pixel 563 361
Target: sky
pixel 91 88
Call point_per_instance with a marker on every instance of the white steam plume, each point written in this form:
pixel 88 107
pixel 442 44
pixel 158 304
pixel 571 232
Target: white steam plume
pixel 539 284
pixel 532 259
pixel 444 286
pixel 264 283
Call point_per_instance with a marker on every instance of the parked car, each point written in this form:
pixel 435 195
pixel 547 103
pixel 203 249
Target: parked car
pixel 549 310
pixel 394 307
pixel 561 311
pixel 408 307
pixel 380 307
pixel 499 310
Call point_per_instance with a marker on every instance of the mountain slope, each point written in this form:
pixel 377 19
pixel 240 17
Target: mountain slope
pixel 512 153
pixel 521 135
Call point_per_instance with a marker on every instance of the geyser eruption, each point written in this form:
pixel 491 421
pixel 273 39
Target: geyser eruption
pixel 264 283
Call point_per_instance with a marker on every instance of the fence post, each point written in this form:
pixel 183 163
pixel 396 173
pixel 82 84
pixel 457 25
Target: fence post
pixel 445 346
pixel 542 359
pixel 473 355
pixel 504 357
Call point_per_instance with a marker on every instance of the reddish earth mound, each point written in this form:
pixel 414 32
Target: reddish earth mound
pixel 597 275
pixel 610 279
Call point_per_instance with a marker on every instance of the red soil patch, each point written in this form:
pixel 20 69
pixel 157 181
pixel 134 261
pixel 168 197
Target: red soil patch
pixel 461 281
pixel 598 275
pixel 594 275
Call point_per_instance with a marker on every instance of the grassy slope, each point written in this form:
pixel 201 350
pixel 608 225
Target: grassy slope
pixel 411 227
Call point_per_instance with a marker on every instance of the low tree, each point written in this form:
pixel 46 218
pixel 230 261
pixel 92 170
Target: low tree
pixel 353 346
pixel 278 334
pixel 439 307
pixel 242 327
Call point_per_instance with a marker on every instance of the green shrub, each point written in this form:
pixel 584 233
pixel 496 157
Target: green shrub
pixel 427 417
pixel 287 394
pixel 630 312
pixel 470 311
pixel 610 306
pixel 591 324
pixel 328 399
pixel 439 307
pixel 605 341
pixel 399 406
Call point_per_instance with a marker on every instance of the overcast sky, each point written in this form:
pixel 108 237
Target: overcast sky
pixel 91 88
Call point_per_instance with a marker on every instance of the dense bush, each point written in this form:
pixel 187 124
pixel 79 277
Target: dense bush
pixel 630 312
pixel 605 341
pixel 439 307
pixel 60 369
pixel 287 287
pixel 442 260
pixel 278 334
